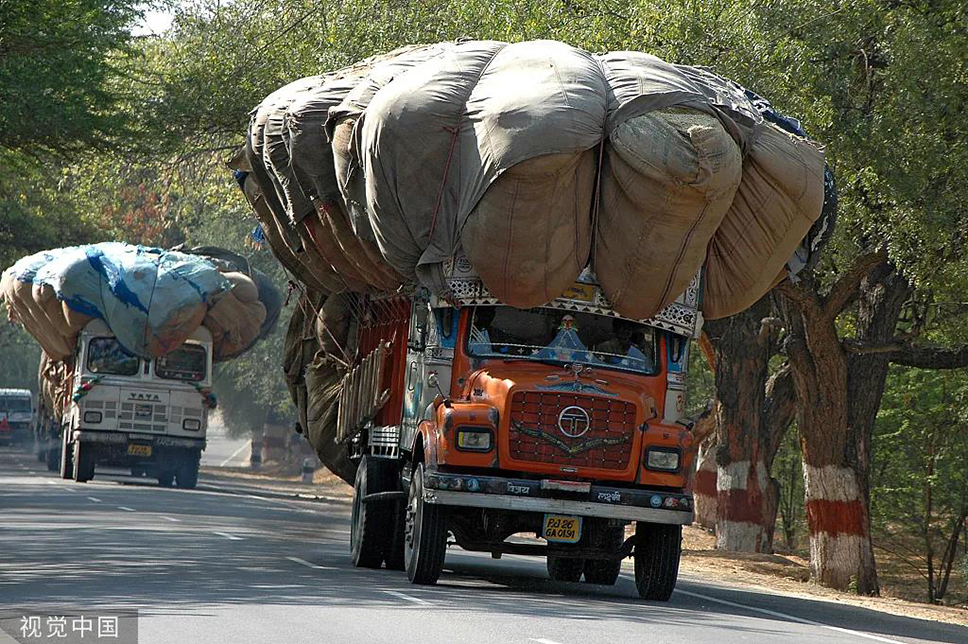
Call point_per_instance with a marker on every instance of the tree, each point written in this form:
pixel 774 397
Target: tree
pixel 61 74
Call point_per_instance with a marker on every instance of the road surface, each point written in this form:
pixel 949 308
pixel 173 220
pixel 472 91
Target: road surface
pixel 216 567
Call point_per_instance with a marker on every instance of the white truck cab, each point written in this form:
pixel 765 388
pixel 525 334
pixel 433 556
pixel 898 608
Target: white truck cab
pixel 17 414
pixel 146 415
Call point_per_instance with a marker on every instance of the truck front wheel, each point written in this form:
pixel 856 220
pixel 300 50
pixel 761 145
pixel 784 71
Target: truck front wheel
pixel 369 529
pixel 658 547
pixel 425 538
pixel 53 459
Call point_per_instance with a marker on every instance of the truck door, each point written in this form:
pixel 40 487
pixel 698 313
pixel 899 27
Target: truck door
pixel 430 349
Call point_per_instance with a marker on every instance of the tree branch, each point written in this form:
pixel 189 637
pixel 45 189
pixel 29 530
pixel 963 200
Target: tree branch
pixel 844 290
pixel 910 355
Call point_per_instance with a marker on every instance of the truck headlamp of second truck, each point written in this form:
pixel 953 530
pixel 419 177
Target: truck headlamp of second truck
pixel 474 439
pixel 93 417
pixel 662 459
pixel 191 424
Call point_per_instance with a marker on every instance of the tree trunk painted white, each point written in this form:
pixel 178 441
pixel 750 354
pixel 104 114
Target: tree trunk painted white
pixel 704 489
pixel 746 501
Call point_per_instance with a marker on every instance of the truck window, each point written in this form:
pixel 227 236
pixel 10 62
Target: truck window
pixel 187 362
pixel 106 356
pixel 14 405
pixel 552 335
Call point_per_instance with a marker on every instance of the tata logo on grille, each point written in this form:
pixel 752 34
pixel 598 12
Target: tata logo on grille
pixel 574 422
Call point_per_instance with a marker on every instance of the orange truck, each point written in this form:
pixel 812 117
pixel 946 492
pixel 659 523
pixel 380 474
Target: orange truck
pixel 563 423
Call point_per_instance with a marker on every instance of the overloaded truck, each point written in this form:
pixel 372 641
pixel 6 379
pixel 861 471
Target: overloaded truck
pixel 129 337
pixel 503 251
pixel 17 416
pixel 480 420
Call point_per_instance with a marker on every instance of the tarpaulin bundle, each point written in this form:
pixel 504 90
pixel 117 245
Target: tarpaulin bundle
pixel 535 160
pixel 151 299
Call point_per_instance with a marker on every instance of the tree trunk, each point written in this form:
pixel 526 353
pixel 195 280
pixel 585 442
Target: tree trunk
pixel 840 395
pixel 704 488
pixel 746 437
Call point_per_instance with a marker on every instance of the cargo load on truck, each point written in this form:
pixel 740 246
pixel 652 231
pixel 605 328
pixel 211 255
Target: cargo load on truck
pixel 151 299
pixel 534 160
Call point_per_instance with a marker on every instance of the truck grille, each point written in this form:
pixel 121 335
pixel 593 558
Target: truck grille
pixel 536 436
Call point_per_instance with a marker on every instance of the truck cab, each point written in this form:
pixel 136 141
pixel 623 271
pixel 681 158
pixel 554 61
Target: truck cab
pixel 17 416
pixel 149 416
pixel 563 422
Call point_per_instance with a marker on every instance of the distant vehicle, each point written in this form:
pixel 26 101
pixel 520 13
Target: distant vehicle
pixel 119 410
pixel 16 416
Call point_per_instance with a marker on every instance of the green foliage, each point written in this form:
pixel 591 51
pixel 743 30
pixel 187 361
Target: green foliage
pixel 61 73
pixel 920 483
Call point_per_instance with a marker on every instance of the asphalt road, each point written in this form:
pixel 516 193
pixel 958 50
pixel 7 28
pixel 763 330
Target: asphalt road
pixel 217 567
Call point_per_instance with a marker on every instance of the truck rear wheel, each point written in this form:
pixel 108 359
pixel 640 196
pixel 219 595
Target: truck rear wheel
pixel 83 462
pixel 66 458
pixel 565 568
pixel 187 475
pixel 369 530
pixel 165 478
pixel 53 459
pixel 425 540
pixel 658 547
pixel 605 571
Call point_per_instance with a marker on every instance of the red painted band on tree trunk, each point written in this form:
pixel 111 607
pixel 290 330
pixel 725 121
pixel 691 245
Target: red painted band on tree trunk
pixel 836 517
pixel 705 482
pixel 740 505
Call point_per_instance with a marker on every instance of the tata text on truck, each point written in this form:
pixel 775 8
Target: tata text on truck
pixel 148 416
pixel 563 422
pixel 16 416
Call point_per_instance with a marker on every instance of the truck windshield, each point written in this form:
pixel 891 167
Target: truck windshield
pixel 550 335
pixel 187 362
pixel 106 356
pixel 14 405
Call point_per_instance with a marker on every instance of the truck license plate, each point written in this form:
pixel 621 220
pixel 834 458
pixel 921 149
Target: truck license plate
pixel 561 529
pixel 139 450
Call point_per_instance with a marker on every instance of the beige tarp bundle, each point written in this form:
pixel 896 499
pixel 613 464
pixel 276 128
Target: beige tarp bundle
pixel 378 173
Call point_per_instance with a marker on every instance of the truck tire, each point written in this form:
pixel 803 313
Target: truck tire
pixel 370 525
pixel 565 568
pixel 67 458
pixel 394 557
pixel 187 475
pixel 657 550
pixel 39 450
pixel 165 478
pixel 425 540
pixel 605 571
pixel 83 462
pixel 53 459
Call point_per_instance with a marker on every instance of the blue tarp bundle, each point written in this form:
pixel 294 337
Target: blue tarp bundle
pixel 151 299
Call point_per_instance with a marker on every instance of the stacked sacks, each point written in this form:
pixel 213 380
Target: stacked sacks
pixel 246 313
pixel 151 299
pixel 378 173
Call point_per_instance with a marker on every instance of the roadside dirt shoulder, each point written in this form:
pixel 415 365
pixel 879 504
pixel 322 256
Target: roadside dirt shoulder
pixel 790 575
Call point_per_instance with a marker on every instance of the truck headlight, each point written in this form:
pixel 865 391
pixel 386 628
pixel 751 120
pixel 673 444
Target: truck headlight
pixel 191 424
pixel 662 459
pixel 93 417
pixel 473 440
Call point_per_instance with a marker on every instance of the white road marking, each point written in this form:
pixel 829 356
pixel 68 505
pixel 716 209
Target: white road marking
pixel 227 535
pixel 94 498
pixel 415 600
pixel 542 641
pixel 126 509
pixel 303 562
pixel 248 444
pixel 172 519
pixel 792 618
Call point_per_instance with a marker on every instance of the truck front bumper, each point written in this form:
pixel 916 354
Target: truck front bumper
pixel 123 438
pixel 525 495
